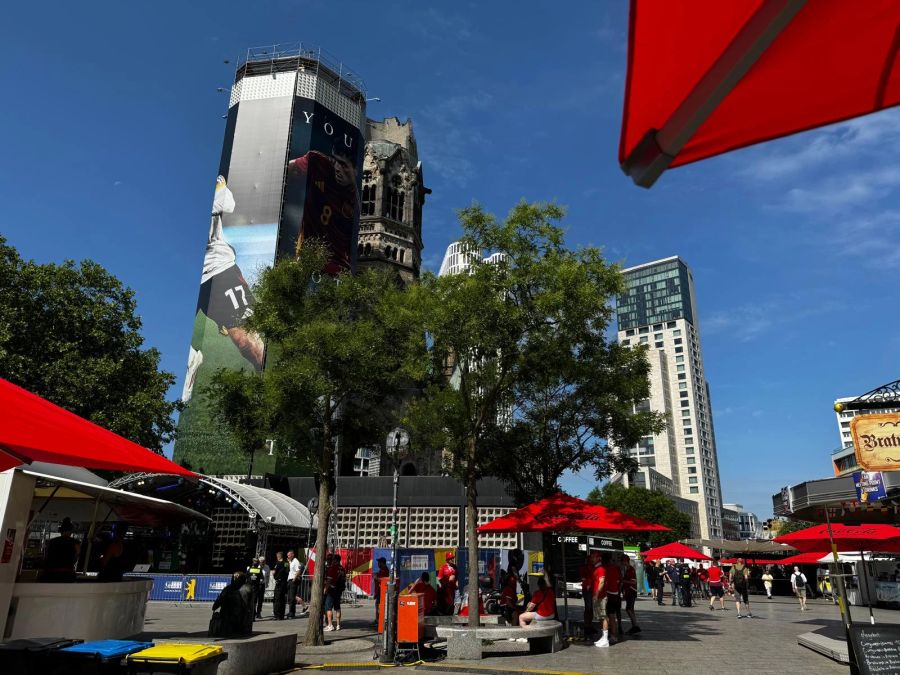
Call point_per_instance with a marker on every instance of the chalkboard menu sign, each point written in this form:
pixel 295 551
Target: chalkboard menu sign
pixel 877 648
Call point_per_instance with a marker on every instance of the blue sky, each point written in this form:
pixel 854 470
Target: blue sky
pixel 112 129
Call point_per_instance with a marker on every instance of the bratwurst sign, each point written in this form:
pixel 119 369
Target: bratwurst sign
pixel 876 439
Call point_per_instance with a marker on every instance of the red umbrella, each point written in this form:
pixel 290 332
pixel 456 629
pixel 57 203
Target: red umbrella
pixel 674 550
pixel 882 538
pixel 803 559
pixel 562 513
pixel 707 76
pixel 33 429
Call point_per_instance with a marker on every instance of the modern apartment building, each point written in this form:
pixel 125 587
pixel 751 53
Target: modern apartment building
pixel 658 310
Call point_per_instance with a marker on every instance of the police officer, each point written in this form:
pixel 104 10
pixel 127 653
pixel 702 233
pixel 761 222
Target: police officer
pixel 280 575
pixel 255 580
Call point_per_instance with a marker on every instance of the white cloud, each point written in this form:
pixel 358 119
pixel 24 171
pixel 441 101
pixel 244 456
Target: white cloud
pixel 842 191
pixel 749 321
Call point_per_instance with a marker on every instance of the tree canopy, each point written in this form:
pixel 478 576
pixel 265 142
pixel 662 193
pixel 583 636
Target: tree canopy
pixel 523 382
pixel 651 505
pixel 70 333
pixel 339 352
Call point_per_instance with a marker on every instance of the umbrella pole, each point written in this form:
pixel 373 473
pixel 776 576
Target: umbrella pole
pixel 842 596
pixel 565 586
pixel 868 589
pixel 90 537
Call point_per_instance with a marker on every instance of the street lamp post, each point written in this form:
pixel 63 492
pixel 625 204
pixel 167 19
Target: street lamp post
pixel 396 444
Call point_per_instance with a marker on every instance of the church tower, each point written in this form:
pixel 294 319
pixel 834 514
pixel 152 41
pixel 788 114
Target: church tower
pixel 393 193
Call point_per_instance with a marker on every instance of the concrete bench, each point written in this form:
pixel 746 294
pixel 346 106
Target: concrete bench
pixel 432 622
pixel 464 643
pixel 257 654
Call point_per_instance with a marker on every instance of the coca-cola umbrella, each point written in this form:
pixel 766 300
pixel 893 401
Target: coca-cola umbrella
pixel 566 514
pixel 674 550
pixel 882 538
pixel 709 76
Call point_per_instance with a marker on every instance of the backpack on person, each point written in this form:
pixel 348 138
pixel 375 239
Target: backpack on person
pixel 798 580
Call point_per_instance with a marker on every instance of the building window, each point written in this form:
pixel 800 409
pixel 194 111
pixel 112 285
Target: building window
pixel 671 324
pixel 678 350
pixel 657 326
pixel 679 359
pixel 689 451
pixel 677 341
pixel 625 343
pixel 643 330
pixel 658 345
pixel 368 201
pixel 683 394
pixel 676 333
pixel 658 336
pixel 682 376
pixel 692 479
pixel 692 469
pixel 395 201
pixel 685 404
pixel 630 331
pixel 688 431
pixel 695 490
pixel 682 385
pixel 680 368
pixel 685 413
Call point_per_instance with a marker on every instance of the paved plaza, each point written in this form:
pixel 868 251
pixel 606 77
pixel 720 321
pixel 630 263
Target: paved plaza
pixel 674 640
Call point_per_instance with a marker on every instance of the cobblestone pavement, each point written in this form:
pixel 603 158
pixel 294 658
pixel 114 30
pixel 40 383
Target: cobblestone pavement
pixel 674 639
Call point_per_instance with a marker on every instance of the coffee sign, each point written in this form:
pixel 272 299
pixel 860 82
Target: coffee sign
pixel 876 439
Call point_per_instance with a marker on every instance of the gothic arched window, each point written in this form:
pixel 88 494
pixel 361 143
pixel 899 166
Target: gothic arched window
pixel 368 200
pixel 396 198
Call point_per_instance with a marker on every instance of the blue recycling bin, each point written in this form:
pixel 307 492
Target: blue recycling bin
pixel 98 657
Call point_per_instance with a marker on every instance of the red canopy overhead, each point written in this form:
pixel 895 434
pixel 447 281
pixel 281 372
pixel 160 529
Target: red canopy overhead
pixel 881 538
pixel 707 76
pixel 33 429
pixel 674 550
pixel 803 559
pixel 562 513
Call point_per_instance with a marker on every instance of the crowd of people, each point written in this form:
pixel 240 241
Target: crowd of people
pixel 241 602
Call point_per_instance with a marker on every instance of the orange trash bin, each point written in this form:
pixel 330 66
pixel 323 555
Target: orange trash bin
pixel 382 598
pixel 411 618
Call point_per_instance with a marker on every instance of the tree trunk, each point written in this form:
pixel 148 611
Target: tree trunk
pixel 314 635
pixel 471 531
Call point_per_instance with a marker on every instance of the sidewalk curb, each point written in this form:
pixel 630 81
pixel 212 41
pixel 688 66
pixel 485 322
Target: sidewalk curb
pixel 487 670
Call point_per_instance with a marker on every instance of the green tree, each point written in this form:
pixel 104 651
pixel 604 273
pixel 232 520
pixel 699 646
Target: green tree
pixel 338 350
pixel 241 406
pixel 70 333
pixel 522 377
pixel 651 505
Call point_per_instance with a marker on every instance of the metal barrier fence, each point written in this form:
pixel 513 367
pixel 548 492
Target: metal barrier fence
pixel 206 587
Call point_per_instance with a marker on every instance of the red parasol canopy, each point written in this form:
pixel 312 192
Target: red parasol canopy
pixel 754 561
pixel 811 558
pixel 562 513
pixel 674 550
pixel 33 429
pixel 882 538
pixel 706 76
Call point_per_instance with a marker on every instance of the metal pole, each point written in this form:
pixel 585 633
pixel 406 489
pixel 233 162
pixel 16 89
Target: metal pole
pixel 868 589
pixel 565 586
pixel 390 605
pixel 843 605
pixel 90 536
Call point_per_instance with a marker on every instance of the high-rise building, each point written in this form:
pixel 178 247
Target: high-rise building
pixel 659 310
pixel 749 526
pixel 393 193
pixel 290 172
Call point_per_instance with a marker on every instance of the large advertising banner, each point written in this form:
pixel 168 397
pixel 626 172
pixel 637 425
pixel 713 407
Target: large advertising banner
pixel 241 241
pixel 321 192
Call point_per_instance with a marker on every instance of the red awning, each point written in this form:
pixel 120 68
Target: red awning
pixel 803 559
pixel 562 513
pixel 881 538
pixel 33 429
pixel 706 76
pixel 674 550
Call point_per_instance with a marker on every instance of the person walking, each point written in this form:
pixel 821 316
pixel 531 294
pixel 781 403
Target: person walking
pixel 767 580
pixel 652 573
pixel 740 584
pixel 381 573
pixel 613 598
pixel 672 578
pixel 798 584
pixel 629 592
pixel 254 579
pixel 335 583
pixel 703 576
pixel 293 584
pixel 716 585
pixel 599 600
pixel 661 579
pixel 263 584
pixel 280 575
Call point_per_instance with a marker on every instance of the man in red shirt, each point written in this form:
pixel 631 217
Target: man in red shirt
pixel 716 584
pixel 613 598
pixel 509 598
pixel 423 586
pixel 599 598
pixel 542 606
pixel 447 581
pixel 381 573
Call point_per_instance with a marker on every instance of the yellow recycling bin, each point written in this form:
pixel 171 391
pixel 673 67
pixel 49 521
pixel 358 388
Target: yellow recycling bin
pixel 183 659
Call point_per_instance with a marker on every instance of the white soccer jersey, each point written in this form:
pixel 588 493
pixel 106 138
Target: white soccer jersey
pixel 219 253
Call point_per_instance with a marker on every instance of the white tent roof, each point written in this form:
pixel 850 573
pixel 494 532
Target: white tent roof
pixel 271 506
